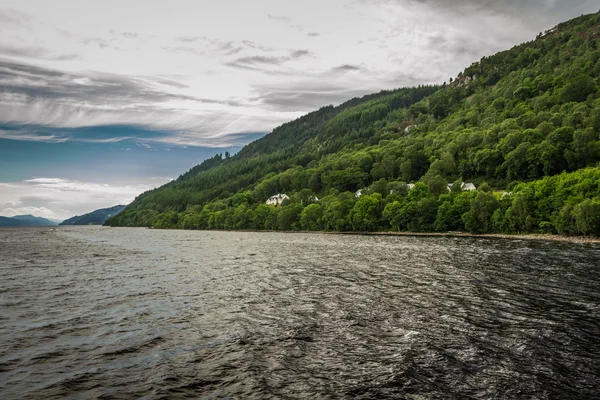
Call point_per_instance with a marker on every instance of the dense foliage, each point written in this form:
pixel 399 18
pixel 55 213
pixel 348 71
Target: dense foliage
pixel 522 125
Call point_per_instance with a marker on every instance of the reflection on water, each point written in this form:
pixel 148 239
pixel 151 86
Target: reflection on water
pixel 136 313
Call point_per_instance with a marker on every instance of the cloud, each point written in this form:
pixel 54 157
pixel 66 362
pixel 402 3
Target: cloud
pixel 101 43
pixel 313 34
pixel 287 21
pixel 38 96
pixel 203 45
pixel 206 45
pixel 189 39
pixel 303 95
pixel 347 67
pixel 538 14
pixel 258 62
pixel 35 52
pixel 12 17
pixel 43 212
pixel 54 196
pixel 126 35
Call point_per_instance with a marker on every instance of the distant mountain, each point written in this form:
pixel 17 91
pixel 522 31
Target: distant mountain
pixel 26 220
pixel 97 217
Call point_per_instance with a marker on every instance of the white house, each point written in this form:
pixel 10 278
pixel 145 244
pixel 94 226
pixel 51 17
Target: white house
pixel 358 193
pixel 277 199
pixel 410 186
pixel 463 186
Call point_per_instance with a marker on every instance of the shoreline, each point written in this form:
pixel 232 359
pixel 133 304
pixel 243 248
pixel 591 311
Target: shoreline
pixel 530 236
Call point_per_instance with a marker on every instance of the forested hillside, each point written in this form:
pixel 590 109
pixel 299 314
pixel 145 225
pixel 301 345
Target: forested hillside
pixel 97 217
pixel 522 125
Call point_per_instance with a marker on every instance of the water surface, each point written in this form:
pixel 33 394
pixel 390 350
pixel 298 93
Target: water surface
pixel 90 312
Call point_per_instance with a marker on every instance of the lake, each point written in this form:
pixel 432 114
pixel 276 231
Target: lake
pixel 92 312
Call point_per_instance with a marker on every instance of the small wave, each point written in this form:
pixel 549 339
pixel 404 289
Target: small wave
pixel 135 348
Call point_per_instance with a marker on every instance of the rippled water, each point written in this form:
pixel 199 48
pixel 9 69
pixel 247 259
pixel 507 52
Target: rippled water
pixel 134 313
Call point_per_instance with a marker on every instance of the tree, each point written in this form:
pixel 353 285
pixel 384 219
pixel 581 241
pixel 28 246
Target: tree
pixel 479 217
pixel 310 217
pixel 521 212
pixel 397 188
pixel 437 184
pixel 393 214
pixel 260 216
pixel 366 213
pixel 578 89
pixel 450 212
pixel 289 216
pixel 587 217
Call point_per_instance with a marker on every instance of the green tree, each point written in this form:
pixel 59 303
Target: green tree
pixel 366 213
pixel 587 217
pixel 479 217
pixel 578 89
pixel 310 217
pixel 289 216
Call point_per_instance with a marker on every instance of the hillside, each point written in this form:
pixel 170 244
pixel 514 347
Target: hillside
pixel 97 217
pixel 522 126
pixel 26 220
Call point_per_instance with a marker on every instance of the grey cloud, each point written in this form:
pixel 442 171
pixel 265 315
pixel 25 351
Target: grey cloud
pixel 171 82
pixel 10 16
pixel 102 43
pixel 299 53
pixel 39 53
pixel 257 46
pixel 126 35
pixel 308 95
pixel 35 201
pixel 539 14
pixel 259 62
pixel 188 39
pixel 313 34
pixel 286 21
pixel 280 18
pixel 227 48
pixel 184 49
pixel 347 67
pixel 33 94
pixel 204 45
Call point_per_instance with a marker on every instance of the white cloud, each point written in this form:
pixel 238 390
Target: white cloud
pixel 37 211
pixel 62 198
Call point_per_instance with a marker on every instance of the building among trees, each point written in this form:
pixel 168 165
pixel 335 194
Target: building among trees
pixel 277 199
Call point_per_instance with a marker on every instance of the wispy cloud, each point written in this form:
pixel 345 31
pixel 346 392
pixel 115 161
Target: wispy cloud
pixel 126 35
pixel 101 43
pixel 287 21
pixel 258 62
pixel 35 52
pixel 39 96
pixel 11 17
pixel 347 68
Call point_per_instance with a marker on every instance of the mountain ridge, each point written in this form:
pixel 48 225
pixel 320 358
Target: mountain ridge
pixel 96 217
pixel 26 220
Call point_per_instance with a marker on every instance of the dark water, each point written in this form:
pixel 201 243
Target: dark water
pixel 134 313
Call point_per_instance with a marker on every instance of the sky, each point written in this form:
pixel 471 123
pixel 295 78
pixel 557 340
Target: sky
pixel 101 101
